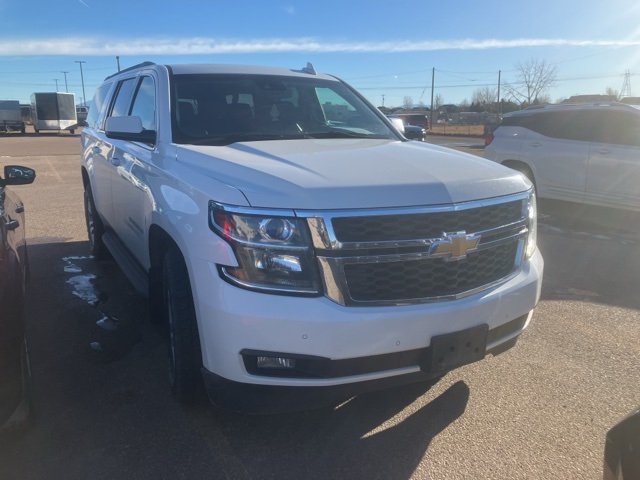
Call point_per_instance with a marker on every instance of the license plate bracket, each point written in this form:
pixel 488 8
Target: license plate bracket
pixel 455 349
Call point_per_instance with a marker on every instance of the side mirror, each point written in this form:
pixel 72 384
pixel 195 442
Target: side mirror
pixel 398 123
pixel 17 175
pixel 129 129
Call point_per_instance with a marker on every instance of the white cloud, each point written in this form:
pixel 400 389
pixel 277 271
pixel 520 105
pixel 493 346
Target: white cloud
pixel 201 45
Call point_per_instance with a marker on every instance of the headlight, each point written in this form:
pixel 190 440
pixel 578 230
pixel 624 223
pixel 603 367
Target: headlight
pixel 273 250
pixel 532 235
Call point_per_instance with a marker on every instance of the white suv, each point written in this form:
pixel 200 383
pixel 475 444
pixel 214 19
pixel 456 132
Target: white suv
pixel 299 249
pixel 584 153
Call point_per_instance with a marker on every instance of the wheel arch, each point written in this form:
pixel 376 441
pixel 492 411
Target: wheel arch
pixel 160 241
pixel 85 175
pixel 522 167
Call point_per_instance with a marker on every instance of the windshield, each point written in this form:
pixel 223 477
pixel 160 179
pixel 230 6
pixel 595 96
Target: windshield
pixel 223 109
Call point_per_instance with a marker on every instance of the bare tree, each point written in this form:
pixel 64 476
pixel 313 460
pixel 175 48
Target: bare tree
pixel 438 101
pixel 613 93
pixel 407 102
pixel 486 97
pixel 533 78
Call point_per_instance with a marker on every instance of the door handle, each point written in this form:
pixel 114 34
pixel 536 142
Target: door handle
pixel 12 224
pixel 115 161
pixel 603 151
pixel 535 144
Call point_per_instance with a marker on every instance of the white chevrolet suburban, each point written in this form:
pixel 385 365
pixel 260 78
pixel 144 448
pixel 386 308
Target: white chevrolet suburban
pixel 298 248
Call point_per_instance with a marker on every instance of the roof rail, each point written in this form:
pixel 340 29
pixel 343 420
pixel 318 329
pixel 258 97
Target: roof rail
pixel 139 65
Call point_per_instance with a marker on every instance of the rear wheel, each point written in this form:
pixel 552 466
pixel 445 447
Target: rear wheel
pixel 95 227
pixel 185 357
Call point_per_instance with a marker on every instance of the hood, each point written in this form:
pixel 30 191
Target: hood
pixel 350 173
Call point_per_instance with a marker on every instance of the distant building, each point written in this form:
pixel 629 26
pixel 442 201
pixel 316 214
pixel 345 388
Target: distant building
pixel 631 100
pixel 590 99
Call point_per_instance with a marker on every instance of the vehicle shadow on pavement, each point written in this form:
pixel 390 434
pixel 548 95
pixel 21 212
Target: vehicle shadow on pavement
pixel 378 435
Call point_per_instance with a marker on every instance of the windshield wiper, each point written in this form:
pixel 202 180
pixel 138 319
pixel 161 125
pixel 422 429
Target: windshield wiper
pixel 245 137
pixel 343 134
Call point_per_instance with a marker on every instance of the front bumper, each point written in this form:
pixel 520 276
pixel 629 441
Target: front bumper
pixel 268 399
pixel 372 343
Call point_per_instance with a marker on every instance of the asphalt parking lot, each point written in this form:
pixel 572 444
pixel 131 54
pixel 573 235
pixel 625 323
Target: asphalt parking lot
pixel 105 410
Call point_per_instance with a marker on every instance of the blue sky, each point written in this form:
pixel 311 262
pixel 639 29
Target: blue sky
pixel 383 48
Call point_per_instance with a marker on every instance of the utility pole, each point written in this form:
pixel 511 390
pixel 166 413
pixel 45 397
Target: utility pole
pixel 118 62
pixel 626 86
pixel 84 97
pixel 499 104
pixel 56 80
pixel 66 86
pixel 433 76
pixel 383 99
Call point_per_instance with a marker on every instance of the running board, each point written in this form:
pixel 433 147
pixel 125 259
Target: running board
pixel 131 268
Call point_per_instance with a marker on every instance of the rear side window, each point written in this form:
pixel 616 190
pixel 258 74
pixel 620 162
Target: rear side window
pixel 564 124
pixel 619 128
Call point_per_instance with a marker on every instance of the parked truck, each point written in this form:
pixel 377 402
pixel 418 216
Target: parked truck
pixel 53 111
pixel 10 116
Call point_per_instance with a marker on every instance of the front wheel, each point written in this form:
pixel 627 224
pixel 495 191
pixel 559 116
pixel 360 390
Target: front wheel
pixel 185 357
pixel 95 227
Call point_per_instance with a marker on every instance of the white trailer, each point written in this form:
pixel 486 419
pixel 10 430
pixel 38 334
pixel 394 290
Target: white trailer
pixel 53 111
pixel 10 116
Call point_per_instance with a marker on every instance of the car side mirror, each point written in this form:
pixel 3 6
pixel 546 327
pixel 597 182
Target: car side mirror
pixel 17 175
pixel 129 129
pixel 397 123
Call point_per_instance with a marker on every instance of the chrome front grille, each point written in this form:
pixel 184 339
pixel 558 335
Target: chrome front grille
pixel 421 254
pixel 429 278
pixel 378 228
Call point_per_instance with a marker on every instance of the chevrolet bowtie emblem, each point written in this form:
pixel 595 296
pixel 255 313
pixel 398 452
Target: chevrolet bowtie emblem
pixel 454 246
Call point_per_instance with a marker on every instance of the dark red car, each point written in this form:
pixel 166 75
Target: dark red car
pixel 15 378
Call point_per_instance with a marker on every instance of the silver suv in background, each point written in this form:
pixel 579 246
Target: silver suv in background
pixel 584 153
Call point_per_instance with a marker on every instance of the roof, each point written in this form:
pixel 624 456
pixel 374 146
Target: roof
pixel 570 106
pixel 215 68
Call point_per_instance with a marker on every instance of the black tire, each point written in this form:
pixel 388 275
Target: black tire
pixel 72 131
pixel 36 130
pixel 95 227
pixel 185 357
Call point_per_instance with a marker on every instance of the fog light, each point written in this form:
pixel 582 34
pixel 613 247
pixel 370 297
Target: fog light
pixel 276 362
